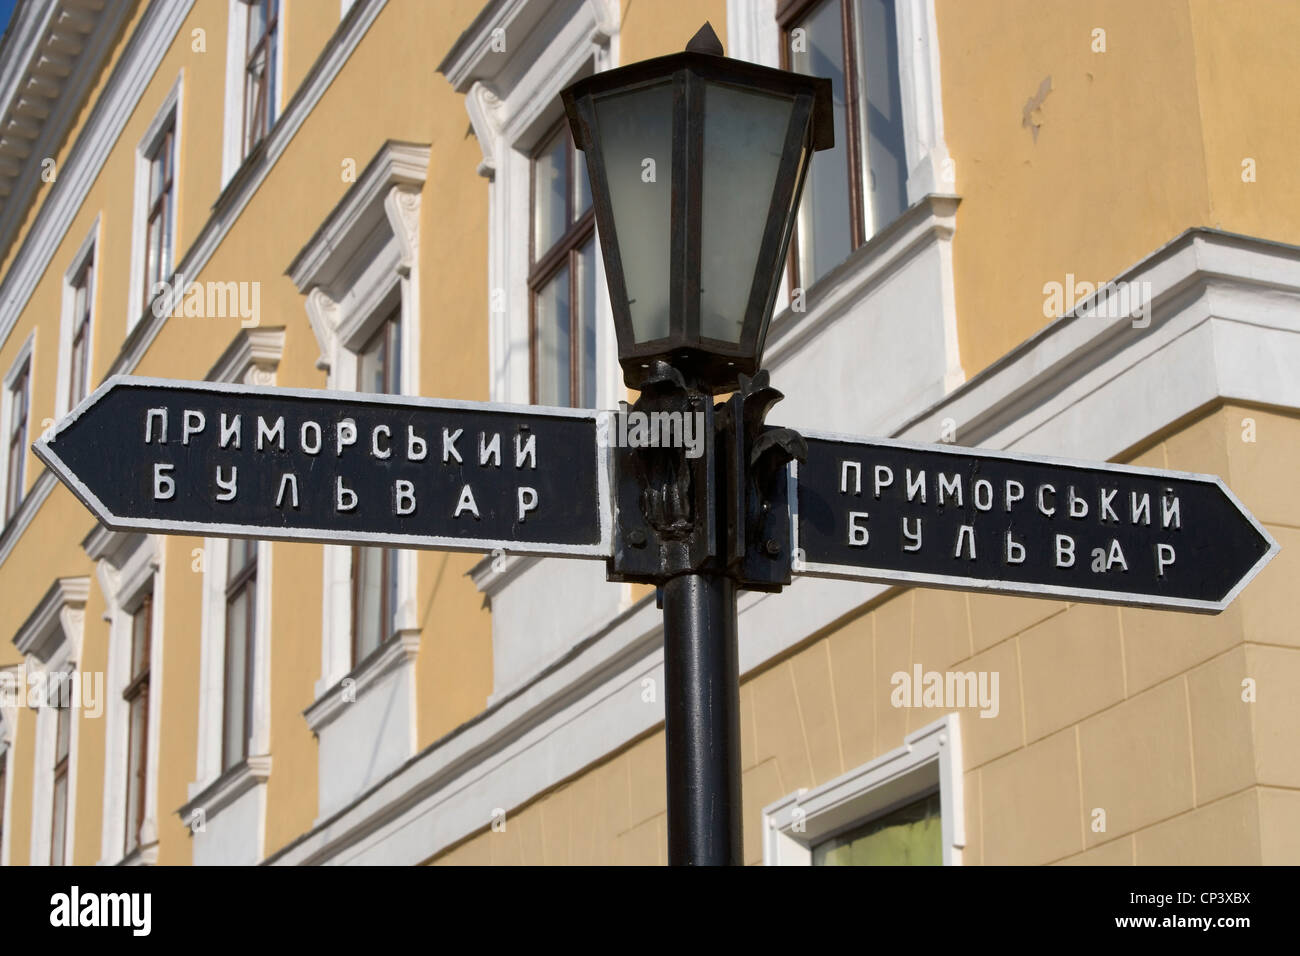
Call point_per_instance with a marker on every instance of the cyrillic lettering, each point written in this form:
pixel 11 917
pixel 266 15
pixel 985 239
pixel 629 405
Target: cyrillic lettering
pixel 265 434
pixel 228 485
pixel 1164 558
pixel 466 502
pixel 229 430
pixel 1116 556
pixel 192 422
pixel 966 532
pixel 1078 506
pixel 164 487
pixel 375 450
pixel 1140 512
pixel 1012 496
pixel 526 449
pixel 845 468
pixel 1064 551
pixel 915 484
pixel 345 499
pixel 912 536
pixel 1042 505
pixel 449 445
pixel 858 535
pixel 527 501
pixel 291 482
pixel 985 486
pixel 1169 512
pixel 490 450
pixel 161 414
pixel 1104 508
pixel 947 487
pixel 416 447
pixel 1015 552
pixel 345 434
pixel 884 477
pixel 312 446
pixel 403 497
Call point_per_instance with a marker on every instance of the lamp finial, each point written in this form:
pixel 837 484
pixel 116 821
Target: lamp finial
pixel 705 41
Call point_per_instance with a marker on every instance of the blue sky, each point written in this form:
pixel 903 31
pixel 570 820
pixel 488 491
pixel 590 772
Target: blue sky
pixel 6 8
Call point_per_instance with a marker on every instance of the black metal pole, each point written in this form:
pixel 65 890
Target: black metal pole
pixel 702 721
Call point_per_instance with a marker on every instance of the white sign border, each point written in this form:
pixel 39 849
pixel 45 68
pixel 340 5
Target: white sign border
pixel 44 449
pixel 1047 591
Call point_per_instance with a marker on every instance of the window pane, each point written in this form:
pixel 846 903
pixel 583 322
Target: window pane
pixel 550 192
pixel 368 592
pixel 256 25
pixel 553 345
pixel 885 159
pixel 60 819
pixel 140 632
pixel 909 836
pixel 139 713
pixel 236 733
pixel 825 226
pixel 587 325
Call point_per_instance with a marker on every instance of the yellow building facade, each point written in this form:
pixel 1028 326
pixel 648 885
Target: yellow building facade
pixel 379 195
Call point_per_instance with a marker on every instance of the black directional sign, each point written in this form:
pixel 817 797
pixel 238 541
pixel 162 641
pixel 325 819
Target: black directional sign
pixel 954 517
pixel 335 467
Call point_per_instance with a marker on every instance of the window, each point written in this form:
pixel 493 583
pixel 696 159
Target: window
pixel 62 742
pixel 375 570
pixel 160 213
pixel 241 617
pixel 912 835
pixel 260 71
pixel 16 433
pixel 562 277
pixel 83 298
pixel 860 185
pixel 136 696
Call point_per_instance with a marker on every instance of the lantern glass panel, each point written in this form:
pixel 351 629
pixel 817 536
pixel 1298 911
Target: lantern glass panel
pixel 744 132
pixel 636 126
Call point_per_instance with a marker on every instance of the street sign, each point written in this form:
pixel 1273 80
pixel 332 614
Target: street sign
pixel 335 467
pixel 905 513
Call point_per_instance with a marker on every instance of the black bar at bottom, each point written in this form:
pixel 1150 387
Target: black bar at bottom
pixel 702 721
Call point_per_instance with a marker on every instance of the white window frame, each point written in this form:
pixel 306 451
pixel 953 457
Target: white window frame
pixel 85 254
pixel 50 642
pixel 929 758
pixel 232 130
pixel 129 565
pixel 8 717
pixel 252 358
pixel 168 114
pixel 26 354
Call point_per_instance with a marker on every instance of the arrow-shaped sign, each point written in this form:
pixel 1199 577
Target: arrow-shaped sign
pixel 335 467
pixel 904 513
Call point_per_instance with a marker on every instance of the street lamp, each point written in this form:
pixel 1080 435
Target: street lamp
pixel 696 164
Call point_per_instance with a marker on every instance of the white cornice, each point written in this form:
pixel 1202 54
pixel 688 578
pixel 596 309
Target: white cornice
pixel 252 358
pixel 115 547
pixel 362 208
pixel 148 44
pixel 42 632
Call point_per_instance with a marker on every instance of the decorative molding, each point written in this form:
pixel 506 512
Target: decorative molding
pixel 251 358
pixel 50 58
pixel 40 490
pixel 132 72
pixel 929 757
pixel 56 616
